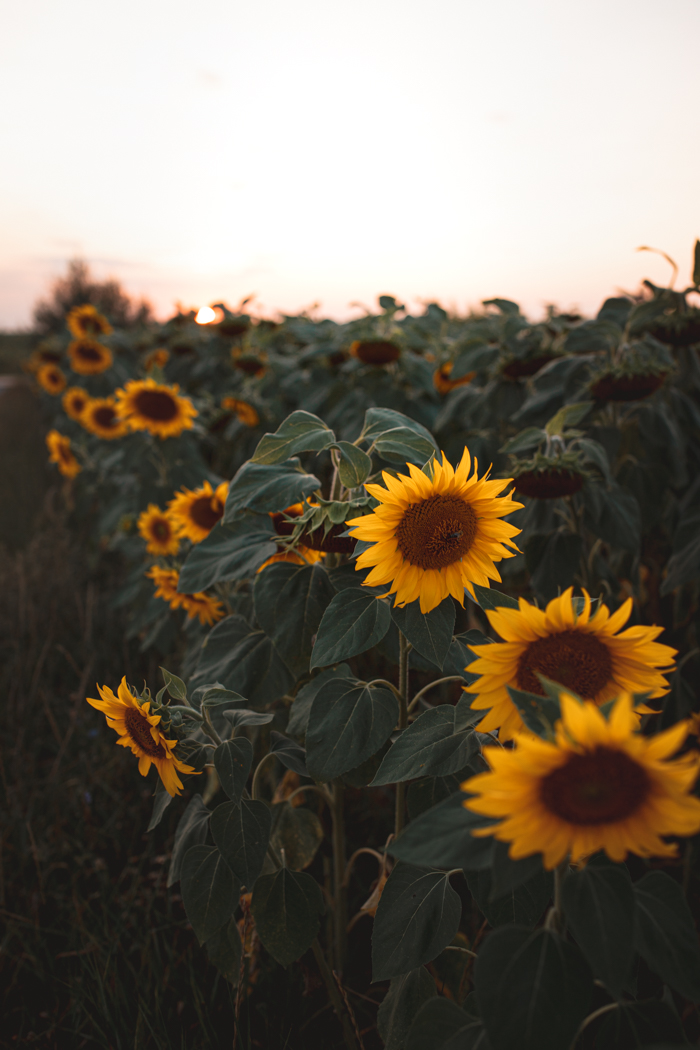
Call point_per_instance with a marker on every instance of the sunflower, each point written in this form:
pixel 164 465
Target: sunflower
pixel 74 402
pixel 250 362
pixel 442 382
pixel 599 785
pixel 51 378
pixel 60 453
pixel 300 555
pixel 88 357
pixel 101 419
pixel 244 412
pixel 584 653
pixel 375 351
pixel 156 528
pixel 44 355
pixel 156 359
pixel 138 730
pixel 151 406
pixel 435 536
pixel 166 585
pixel 86 321
pixel 209 610
pixel 194 513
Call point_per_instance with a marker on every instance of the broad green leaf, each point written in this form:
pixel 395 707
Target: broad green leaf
pixel 427 792
pixel 349 721
pixel 243 717
pixel 161 802
pixel 568 416
pixel 242 832
pixel 209 890
pixel 418 915
pixel 651 1025
pixel 400 1005
pixel 232 761
pixel 489 598
pixel 379 421
pixel 229 552
pixel 243 660
pixel 300 432
pixel 217 698
pixel 174 685
pixel 436 744
pixel 522 905
pixel 682 567
pixel 287 907
pixel 441 1024
pixel 429 633
pixel 599 906
pixel 596 454
pixel 263 489
pixel 475 359
pixel 533 989
pixel 616 309
pixel 298 831
pixel 353 622
pixel 224 950
pixel 354 466
pixel 301 708
pixel 506 306
pixel 539 713
pixel 191 831
pixel 615 519
pixel 665 934
pixel 441 838
pixel 553 559
pixel 531 437
pixel 404 445
pixel 290 754
pixel 290 607
pixel 507 874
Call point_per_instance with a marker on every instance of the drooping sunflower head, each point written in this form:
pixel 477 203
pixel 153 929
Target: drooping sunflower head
pixel 159 409
pixel 434 536
pixel 100 417
pixel 250 362
pixel 61 454
pixel 51 379
pixel 283 521
pixel 206 608
pixel 601 785
pixel 588 654
pixel 88 357
pixel 375 351
pixel 195 512
pixel 139 730
pixel 156 359
pixel 552 482
pixel 156 528
pixel 74 402
pixel 244 412
pixel 87 322
pixel 442 382
pixel 166 581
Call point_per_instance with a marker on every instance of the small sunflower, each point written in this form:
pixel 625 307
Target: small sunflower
pixel 147 405
pixel 156 528
pixel 165 581
pixel 85 321
pixel 51 378
pixel 442 382
pixel 44 355
pixel 88 357
pixel 375 351
pixel 435 536
pixel 74 402
pixel 101 419
pixel 156 359
pixel 300 555
pixel 588 654
pixel 248 361
pixel 244 412
pixel 601 785
pixel 61 454
pixel 138 730
pixel 209 610
pixel 194 513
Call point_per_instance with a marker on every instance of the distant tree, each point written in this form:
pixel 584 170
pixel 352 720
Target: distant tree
pixel 78 287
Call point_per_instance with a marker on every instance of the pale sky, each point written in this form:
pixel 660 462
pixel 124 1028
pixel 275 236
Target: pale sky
pixel 334 150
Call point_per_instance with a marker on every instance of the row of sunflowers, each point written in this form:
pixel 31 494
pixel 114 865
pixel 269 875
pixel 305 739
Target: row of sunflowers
pixel 312 534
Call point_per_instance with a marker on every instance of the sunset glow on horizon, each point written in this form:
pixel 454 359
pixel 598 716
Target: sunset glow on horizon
pixel 314 153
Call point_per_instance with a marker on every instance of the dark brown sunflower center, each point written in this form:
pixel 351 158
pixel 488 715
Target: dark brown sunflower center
pixel 205 511
pixel 436 532
pixel 377 352
pixel 250 365
pixel 599 787
pixel 105 416
pixel 575 659
pixel 160 529
pixel 140 732
pixel 78 403
pixel 157 405
pixel 89 353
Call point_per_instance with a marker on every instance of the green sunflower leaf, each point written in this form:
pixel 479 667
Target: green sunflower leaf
pixel 264 489
pixel 242 833
pixel 348 723
pixel 665 934
pixel 300 432
pixel 400 1005
pixel 232 761
pixel 209 890
pixel 441 837
pixel 287 907
pixel 353 622
pixel 429 633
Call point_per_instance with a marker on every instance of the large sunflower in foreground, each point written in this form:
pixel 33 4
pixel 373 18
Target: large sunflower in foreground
pixel 74 402
pixel 435 536
pixel 51 379
pixel 138 730
pixel 159 409
pixel 88 357
pixel 61 454
pixel 599 786
pixel 195 512
pixel 156 528
pixel 100 418
pixel 85 321
pixel 588 654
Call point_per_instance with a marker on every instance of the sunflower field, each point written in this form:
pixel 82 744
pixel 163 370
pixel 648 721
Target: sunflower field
pixel 416 607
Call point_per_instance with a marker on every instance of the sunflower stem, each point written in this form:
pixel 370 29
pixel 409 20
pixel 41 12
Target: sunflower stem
pixel 555 916
pixel 340 904
pixel 404 650
pixel 335 996
pixel 190 711
pixel 209 728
